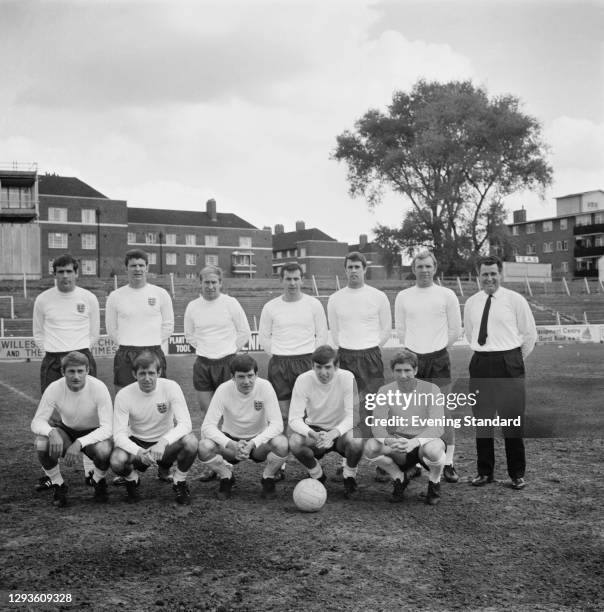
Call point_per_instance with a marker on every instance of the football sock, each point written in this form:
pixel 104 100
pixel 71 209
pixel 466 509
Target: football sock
pixel 388 465
pixel 133 476
pixel 449 454
pixel 436 468
pixel 316 472
pixel 179 476
pixel 88 464
pixel 349 472
pixel 55 475
pixel 98 475
pixel 273 465
pixel 222 467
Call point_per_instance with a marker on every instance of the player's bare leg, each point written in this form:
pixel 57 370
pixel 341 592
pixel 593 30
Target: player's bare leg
pixel 204 398
pixel 383 456
pixel 302 448
pixel 274 453
pixel 433 455
pixel 217 459
pixel 284 407
pixel 352 449
pixel 183 452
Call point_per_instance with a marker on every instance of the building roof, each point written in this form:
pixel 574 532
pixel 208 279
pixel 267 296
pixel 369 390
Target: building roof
pixel 52 184
pixel 370 247
pixel 289 240
pixel 574 195
pixel 156 216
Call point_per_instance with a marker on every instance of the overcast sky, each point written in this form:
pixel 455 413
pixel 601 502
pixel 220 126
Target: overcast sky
pixel 166 104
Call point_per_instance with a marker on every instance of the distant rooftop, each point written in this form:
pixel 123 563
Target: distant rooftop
pixel 52 184
pixel 186 217
pixel 288 240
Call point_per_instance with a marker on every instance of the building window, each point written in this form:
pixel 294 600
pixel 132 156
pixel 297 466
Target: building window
pixel 88 216
pixel 564 266
pixel 599 241
pixel 530 228
pixel 583 220
pixel 88 241
pixel 303 252
pixel 58 215
pixel 531 249
pixel 131 237
pixel 50 268
pixel 592 205
pixel 211 241
pixel 548 226
pixel 151 238
pixel 245 242
pixel 16 197
pixel 191 275
pixel 170 238
pixel 152 257
pixel 57 240
pixel 558 245
pixel 563 224
pixel 170 259
pixel 190 259
pixel 279 254
pixel 565 245
pixel 211 260
pixel 599 217
pixel 548 247
pixel 515 252
pixel 514 230
pixel 303 266
pixel 190 240
pixel 89 267
pixel 242 260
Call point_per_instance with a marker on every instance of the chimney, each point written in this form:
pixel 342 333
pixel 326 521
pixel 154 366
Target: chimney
pixel 211 209
pixel 266 228
pixel 279 229
pixel 300 225
pixel 520 216
pixel 362 241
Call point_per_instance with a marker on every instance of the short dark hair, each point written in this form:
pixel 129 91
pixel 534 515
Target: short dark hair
pixel 356 256
pixel 146 359
pixel 243 363
pixel 135 254
pixel 75 358
pixel 404 356
pixel 291 267
pixel 67 259
pixel 488 260
pixel 324 354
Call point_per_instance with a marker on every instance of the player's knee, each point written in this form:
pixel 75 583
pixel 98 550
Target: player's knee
pixel 434 450
pixel 118 461
pixel 102 450
pixel 190 444
pixel 296 443
pixel 206 449
pixel 372 448
pixel 279 445
pixel 41 444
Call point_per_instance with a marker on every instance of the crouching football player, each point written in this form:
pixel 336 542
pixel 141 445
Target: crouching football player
pixel 252 427
pixel 321 415
pixel 84 407
pixel 152 426
pixel 416 437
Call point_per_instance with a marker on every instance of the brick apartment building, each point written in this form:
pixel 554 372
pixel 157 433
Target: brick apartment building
pixel 42 216
pixel 317 253
pixel 572 241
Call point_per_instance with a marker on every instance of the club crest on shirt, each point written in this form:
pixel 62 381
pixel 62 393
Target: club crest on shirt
pixel 81 307
pixel 151 301
pixel 162 407
pixel 258 405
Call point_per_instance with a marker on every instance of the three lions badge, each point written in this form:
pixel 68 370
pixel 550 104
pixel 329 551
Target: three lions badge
pixel 162 407
pixel 258 405
pixel 151 301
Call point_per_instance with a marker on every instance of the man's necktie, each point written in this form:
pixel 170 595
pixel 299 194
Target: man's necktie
pixel 482 334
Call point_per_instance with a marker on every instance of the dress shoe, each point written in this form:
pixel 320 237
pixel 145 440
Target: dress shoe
pixel 481 480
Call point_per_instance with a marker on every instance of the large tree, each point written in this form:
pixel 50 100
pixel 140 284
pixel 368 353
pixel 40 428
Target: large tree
pixel 454 154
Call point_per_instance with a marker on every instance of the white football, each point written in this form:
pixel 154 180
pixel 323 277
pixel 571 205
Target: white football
pixel 309 495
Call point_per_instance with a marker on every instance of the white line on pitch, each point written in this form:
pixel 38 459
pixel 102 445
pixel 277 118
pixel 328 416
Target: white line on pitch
pixel 29 398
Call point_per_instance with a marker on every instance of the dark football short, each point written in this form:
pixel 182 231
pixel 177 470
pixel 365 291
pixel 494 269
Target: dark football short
pixel 73 434
pixel 411 459
pixel 50 370
pixel 320 452
pixel 209 374
pixel 367 367
pixel 435 367
pixel 141 467
pixel 235 461
pixel 124 360
pixel 283 370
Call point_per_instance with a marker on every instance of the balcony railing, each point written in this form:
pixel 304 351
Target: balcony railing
pixel 588 273
pixel 593 251
pixel 592 228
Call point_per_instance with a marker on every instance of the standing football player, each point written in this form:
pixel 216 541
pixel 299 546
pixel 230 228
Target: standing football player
pixel 251 428
pixel 85 413
pixel 427 319
pixel 152 426
pixel 216 326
